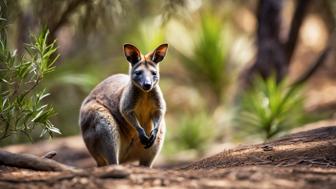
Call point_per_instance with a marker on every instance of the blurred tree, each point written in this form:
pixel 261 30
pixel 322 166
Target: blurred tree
pixel 31 15
pixel 274 55
pixel 271 105
pixel 3 21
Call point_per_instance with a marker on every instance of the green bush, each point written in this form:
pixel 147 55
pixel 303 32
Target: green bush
pixel 269 108
pixel 193 132
pixel 21 103
pixel 207 61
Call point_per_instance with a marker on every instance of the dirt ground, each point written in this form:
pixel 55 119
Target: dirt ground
pixel 301 160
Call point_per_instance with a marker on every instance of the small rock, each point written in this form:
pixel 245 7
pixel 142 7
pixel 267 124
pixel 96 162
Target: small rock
pixel 243 175
pixel 267 148
pixel 179 179
pixel 136 179
pixel 74 180
pixel 83 180
pixel 116 172
pixel 165 182
pixel 157 182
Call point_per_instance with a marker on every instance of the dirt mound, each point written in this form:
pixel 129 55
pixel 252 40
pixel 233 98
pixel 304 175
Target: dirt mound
pixel 315 148
pixel 302 160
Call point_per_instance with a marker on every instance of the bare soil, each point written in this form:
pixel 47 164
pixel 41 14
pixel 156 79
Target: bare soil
pixel 301 160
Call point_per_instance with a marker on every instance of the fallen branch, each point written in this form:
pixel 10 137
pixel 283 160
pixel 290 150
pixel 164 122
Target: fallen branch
pixel 49 155
pixel 32 162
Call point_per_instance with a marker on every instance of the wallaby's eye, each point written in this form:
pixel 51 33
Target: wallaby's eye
pixel 139 72
pixel 154 73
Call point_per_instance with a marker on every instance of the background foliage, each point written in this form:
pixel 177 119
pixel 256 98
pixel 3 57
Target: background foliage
pixel 270 108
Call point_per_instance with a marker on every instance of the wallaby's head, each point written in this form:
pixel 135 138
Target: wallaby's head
pixel 144 70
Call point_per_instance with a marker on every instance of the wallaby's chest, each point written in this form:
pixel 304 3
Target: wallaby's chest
pixel 144 108
pixel 143 105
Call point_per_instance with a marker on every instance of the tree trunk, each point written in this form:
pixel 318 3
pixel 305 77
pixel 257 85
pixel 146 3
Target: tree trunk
pixel 270 58
pixel 273 56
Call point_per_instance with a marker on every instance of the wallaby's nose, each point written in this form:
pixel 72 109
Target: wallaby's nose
pixel 147 85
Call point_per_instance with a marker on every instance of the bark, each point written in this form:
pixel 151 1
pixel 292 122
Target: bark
pixel 313 67
pixel 295 26
pixel 270 58
pixel 67 13
pixel 3 21
pixel 273 56
pixel 26 23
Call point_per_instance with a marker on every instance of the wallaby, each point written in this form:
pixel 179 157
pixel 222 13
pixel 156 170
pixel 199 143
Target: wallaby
pixel 122 119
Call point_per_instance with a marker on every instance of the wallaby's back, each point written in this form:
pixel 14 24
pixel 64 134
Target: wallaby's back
pixel 107 94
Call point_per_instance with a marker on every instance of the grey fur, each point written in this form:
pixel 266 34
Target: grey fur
pixel 121 122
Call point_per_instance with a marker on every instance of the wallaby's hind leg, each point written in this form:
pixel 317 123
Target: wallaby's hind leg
pixel 102 138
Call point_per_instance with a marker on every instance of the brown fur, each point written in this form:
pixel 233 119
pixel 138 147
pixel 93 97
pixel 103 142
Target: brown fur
pixel 110 114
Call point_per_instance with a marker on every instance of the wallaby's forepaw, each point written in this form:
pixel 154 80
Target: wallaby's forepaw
pixel 143 138
pixel 148 141
pixel 152 138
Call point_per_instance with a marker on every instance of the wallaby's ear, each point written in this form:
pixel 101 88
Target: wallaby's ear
pixel 132 54
pixel 159 53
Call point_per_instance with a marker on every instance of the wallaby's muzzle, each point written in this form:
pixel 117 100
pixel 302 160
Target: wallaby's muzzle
pixel 147 85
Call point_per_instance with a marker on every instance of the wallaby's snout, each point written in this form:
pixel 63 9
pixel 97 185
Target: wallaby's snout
pixel 144 70
pixel 144 76
pixel 147 85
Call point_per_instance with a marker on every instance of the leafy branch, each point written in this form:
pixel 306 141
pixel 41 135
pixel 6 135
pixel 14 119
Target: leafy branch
pixel 21 103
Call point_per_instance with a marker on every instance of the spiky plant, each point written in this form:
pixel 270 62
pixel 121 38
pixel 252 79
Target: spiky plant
pixel 269 108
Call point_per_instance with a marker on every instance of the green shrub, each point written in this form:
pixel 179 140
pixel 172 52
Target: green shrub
pixel 21 103
pixel 207 59
pixel 193 132
pixel 269 108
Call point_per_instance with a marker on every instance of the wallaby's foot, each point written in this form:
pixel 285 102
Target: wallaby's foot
pixel 146 163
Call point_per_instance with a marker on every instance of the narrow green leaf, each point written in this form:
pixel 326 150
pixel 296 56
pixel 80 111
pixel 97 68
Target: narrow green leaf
pixel 55 130
pixel 37 116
